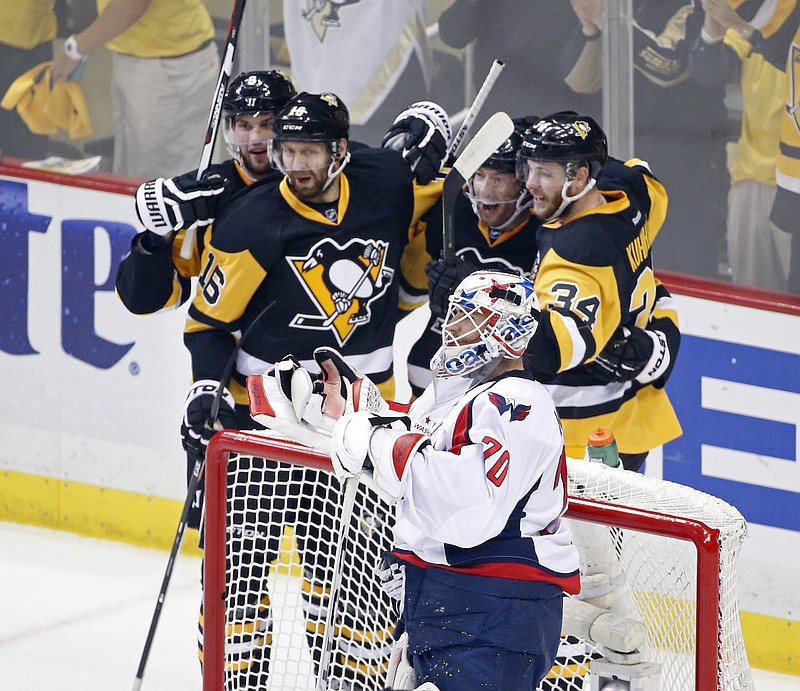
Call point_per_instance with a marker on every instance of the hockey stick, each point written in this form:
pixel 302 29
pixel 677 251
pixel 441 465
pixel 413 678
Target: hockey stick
pixel 348 504
pixel 486 141
pixel 162 593
pixel 474 109
pixel 216 108
pixel 191 488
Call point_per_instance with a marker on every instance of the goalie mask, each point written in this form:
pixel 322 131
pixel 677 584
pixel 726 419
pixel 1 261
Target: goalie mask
pixel 569 139
pixel 318 118
pixel 493 190
pixel 263 92
pixel 491 316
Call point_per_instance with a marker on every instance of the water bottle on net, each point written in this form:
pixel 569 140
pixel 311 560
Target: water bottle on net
pixel 602 447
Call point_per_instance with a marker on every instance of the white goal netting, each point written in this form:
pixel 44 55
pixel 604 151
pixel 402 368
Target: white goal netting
pixel 291 600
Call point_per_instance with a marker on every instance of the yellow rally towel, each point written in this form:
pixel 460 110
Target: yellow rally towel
pixel 45 110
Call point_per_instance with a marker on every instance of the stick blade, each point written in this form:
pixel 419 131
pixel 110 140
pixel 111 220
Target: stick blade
pixel 486 141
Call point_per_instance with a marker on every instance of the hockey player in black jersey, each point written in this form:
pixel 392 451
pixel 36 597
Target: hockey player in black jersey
pixel 595 277
pixel 324 258
pixel 495 229
pixel 154 276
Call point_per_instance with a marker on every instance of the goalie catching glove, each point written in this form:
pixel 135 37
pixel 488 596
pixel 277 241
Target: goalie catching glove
pixel 305 406
pixel 421 133
pixel 167 205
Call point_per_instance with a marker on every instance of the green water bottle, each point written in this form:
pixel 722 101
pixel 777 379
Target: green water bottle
pixel 602 447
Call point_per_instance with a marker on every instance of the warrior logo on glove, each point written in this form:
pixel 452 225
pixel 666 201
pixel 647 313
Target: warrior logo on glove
pixel 342 282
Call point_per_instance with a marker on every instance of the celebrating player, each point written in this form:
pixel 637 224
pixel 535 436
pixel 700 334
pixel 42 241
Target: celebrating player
pixel 318 260
pixel 478 471
pixel 595 276
pixel 495 229
pixel 154 276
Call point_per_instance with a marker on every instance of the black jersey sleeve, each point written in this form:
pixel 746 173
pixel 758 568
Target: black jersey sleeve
pixel 146 280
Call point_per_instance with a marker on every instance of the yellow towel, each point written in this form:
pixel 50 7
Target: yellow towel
pixel 45 110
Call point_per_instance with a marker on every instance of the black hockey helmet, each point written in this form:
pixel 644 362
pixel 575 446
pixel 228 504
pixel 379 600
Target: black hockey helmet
pixel 566 137
pixel 253 93
pixel 313 118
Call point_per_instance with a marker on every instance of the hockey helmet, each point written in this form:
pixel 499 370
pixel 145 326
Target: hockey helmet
pixel 491 316
pixel 262 91
pixel 505 156
pixel 565 137
pixel 256 94
pixel 313 118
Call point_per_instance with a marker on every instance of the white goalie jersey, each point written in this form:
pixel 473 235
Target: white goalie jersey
pixel 487 495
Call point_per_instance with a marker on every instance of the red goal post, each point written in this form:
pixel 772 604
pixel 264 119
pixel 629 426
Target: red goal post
pixel 678 548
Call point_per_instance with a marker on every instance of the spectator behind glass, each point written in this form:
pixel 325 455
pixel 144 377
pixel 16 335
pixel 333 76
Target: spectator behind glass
pixel 528 37
pixel 27 30
pixel 786 210
pixel 164 71
pixel 680 127
pixel 374 55
pixel 758 251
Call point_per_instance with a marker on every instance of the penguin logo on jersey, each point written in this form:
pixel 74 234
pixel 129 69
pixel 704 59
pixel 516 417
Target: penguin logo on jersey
pixel 342 281
pixel 322 14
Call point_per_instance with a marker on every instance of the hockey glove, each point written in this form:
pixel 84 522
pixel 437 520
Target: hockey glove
pixel 442 281
pixel 181 203
pixel 421 133
pixel 197 429
pixel 365 441
pixel 392 578
pixel 270 396
pixel 632 354
pixel 319 400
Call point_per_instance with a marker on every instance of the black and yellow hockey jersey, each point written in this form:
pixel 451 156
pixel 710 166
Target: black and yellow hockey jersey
pixel 286 277
pixel 595 273
pixel 153 276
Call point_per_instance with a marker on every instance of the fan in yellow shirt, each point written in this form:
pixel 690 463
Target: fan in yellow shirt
pixel 164 72
pixel 27 30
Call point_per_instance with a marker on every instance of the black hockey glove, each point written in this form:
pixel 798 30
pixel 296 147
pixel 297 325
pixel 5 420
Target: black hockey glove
pixel 197 430
pixel 180 203
pixel 421 133
pixel 632 353
pixel 442 281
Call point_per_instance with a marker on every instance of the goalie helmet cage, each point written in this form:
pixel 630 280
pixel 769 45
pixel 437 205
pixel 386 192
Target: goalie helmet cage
pixel 271 536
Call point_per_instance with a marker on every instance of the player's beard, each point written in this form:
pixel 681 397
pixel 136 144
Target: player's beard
pixel 257 164
pixel 544 206
pixel 308 185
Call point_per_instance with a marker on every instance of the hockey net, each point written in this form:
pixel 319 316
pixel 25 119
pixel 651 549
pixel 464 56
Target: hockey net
pixel 291 600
